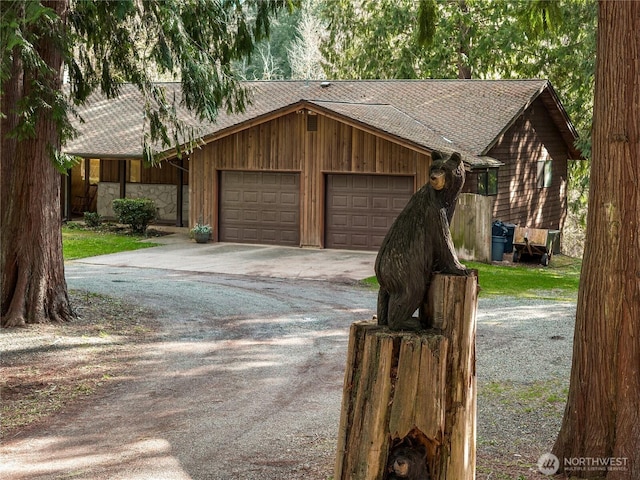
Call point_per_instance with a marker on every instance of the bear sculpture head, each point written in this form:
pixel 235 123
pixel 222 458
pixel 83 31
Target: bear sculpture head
pixel 446 177
pixel 407 463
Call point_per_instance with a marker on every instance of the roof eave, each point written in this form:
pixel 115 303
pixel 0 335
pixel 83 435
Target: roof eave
pixel 567 129
pixel 105 156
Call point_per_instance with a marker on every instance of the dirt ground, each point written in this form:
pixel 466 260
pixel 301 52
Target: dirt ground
pixel 177 376
pixel 48 368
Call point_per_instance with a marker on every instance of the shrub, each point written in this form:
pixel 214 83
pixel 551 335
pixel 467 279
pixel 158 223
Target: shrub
pixel 135 212
pixel 92 219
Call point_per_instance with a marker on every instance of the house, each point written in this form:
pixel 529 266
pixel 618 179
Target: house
pixel 330 164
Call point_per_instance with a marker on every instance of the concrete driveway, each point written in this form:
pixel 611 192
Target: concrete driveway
pixel 178 252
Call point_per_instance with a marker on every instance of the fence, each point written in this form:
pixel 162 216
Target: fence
pixel 471 227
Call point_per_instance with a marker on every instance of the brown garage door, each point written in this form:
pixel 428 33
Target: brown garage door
pixel 361 208
pixel 260 207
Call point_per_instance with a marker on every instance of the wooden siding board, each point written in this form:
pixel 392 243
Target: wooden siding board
pixel 356 150
pixel 310 235
pixel 345 140
pixel 196 180
pixel 109 171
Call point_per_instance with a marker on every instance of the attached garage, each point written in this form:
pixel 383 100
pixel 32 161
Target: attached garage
pixel 361 208
pixel 260 207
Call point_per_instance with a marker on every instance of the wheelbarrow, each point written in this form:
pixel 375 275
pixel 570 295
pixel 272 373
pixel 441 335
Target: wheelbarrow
pixel 533 242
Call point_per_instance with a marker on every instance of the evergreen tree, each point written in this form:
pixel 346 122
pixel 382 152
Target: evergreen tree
pixel 602 417
pixel 101 44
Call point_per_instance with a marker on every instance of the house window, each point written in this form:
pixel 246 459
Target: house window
pixel 545 175
pixel 488 182
pixel 134 169
pixel 94 170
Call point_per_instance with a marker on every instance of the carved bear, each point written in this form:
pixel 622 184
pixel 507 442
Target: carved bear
pixel 407 463
pixel 417 245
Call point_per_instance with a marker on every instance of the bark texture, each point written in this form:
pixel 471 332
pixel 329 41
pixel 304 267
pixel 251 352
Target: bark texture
pixel 602 417
pixel 33 285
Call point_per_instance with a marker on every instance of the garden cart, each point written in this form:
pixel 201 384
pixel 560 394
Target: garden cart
pixel 533 243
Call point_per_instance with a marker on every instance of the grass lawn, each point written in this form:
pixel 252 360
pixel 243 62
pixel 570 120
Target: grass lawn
pixel 80 243
pixel 558 281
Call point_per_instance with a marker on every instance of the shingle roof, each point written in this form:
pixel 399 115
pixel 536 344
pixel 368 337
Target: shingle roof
pixel 464 115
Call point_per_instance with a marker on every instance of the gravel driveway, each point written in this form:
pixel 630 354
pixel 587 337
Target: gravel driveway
pixel 245 381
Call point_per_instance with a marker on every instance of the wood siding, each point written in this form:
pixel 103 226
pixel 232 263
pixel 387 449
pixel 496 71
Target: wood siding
pixel 284 144
pixel 520 200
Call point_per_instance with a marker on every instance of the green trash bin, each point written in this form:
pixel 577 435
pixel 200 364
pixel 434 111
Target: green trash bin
pixel 497 247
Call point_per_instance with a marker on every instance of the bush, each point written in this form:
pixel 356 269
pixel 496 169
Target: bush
pixel 135 212
pixel 92 219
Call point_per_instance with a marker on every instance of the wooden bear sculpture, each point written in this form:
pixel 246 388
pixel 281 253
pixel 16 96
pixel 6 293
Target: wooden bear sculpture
pixel 419 244
pixel 407 463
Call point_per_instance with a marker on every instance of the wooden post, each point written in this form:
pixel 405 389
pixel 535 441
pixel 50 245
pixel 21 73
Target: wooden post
pixel 413 389
pixel 179 193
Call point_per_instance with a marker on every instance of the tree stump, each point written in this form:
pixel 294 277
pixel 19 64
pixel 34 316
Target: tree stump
pixel 413 390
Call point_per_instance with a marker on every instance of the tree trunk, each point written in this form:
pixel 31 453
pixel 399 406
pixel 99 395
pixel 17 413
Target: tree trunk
pixel 602 417
pixel 464 67
pixel 34 289
pixel 413 393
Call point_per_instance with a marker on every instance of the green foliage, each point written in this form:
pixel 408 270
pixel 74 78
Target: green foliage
pixel 92 219
pixel 579 188
pixel 270 61
pixel 107 43
pixel 538 17
pixel 24 27
pixel 369 40
pixel 427 18
pixel 79 243
pixel 135 212
pixel 62 161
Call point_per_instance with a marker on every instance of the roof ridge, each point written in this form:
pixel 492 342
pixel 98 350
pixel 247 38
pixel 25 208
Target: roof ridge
pixel 346 102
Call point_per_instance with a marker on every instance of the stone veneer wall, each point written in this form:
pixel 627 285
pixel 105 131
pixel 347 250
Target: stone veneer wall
pixel 163 195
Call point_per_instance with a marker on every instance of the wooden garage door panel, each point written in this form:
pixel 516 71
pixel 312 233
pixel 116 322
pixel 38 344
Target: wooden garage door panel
pixel 361 208
pixel 260 207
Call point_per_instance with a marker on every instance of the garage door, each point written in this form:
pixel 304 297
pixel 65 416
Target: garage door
pixel 260 207
pixel 361 208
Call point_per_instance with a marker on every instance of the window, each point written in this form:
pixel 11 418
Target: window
pixel 94 170
pixel 488 182
pixel 545 176
pixel 135 167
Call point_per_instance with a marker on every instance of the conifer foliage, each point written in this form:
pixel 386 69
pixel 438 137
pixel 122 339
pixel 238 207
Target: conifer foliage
pixel 98 45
